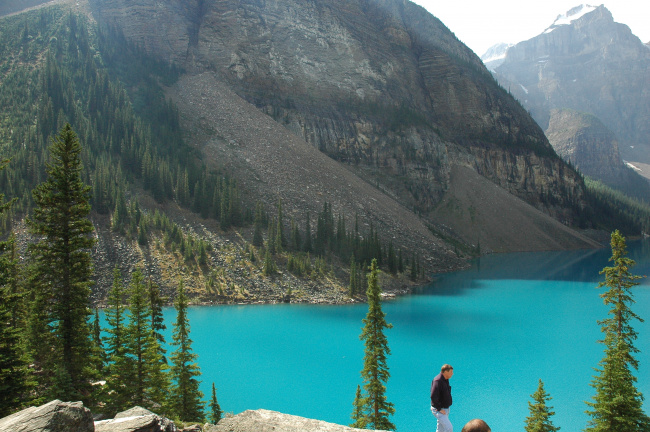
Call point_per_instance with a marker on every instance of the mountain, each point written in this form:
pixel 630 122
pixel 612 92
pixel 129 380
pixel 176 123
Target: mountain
pixel 585 141
pixel 209 121
pixel 586 62
pixel 495 55
pixel 380 85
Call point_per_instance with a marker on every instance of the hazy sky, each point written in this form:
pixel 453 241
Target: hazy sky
pixel 482 23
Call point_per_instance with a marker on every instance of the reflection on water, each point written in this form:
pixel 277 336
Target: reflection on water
pixel 574 265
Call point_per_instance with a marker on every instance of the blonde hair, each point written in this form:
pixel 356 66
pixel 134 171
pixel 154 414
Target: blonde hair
pixel 445 367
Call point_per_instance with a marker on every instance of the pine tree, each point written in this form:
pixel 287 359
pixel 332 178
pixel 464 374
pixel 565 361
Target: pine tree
pixel 157 379
pixel 307 245
pixel 617 405
pixel 119 368
pixel 540 413
pixel 121 213
pixel 185 393
pixel 354 277
pixel 156 303
pixel 215 409
pixel 62 271
pixel 375 369
pixel 414 269
pixel 137 336
pixel 269 265
pixel 97 338
pixel 358 413
pixel 13 364
pixel 281 241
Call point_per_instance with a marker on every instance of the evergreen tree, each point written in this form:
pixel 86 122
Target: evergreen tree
pixel 540 413
pixel 118 370
pixel 13 364
pixel 120 215
pixel 358 413
pixel 258 240
pixel 281 241
pixel 354 277
pixel 215 409
pixel 375 369
pixel 62 271
pixel 617 405
pixel 156 303
pixel 97 338
pixel 157 380
pixel 414 269
pixel 137 337
pixel 185 393
pixel 269 265
pixel 307 245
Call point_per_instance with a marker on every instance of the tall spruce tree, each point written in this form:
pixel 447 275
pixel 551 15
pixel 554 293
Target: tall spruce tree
pixel 539 419
pixel 375 368
pixel 185 393
pixel 617 405
pixel 13 364
pixel 156 303
pixel 215 409
pixel 62 270
pixel 358 412
pixel 119 369
pixel 137 338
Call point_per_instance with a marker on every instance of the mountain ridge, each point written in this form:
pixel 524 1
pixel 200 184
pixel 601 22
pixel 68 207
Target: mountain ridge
pixel 388 152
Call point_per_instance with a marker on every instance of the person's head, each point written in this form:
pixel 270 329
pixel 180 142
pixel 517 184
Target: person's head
pixel 447 371
pixel 476 425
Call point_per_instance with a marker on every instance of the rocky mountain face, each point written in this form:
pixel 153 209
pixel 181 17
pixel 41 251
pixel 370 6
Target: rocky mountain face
pixel 587 62
pixel 585 141
pixel 380 85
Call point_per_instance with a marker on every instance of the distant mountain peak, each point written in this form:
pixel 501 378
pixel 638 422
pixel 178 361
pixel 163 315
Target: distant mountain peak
pixel 495 55
pixel 571 16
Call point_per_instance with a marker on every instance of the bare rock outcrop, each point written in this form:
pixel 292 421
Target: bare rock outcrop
pixel 271 421
pixel 136 419
pixel 55 416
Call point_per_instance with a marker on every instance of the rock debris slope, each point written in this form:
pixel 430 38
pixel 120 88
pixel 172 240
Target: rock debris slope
pixel 276 164
pixel 379 85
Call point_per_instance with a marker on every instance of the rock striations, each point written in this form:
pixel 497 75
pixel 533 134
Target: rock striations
pixel 379 85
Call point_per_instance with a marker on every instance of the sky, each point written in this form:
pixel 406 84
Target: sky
pixel 479 24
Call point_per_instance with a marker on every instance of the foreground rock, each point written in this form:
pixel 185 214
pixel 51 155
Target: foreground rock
pixel 267 421
pixel 136 419
pixel 55 416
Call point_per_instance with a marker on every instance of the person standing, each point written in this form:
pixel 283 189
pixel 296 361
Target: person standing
pixel 441 398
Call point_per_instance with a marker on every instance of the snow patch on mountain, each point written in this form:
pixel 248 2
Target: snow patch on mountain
pixel 572 15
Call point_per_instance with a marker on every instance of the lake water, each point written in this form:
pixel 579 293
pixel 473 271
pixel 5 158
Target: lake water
pixel 504 324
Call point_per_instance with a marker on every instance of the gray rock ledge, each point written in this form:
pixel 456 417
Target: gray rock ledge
pixel 55 416
pixel 271 421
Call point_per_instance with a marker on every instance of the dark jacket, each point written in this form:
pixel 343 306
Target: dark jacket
pixel 440 393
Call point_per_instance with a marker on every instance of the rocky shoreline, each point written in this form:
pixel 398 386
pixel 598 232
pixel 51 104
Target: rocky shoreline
pixel 58 416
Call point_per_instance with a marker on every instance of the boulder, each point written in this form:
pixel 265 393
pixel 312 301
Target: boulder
pixel 266 421
pixel 136 419
pixel 55 416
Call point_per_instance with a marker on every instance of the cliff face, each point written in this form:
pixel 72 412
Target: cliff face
pixel 379 84
pixel 585 141
pixel 590 64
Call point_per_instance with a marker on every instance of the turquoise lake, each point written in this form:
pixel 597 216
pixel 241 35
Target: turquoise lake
pixel 503 324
